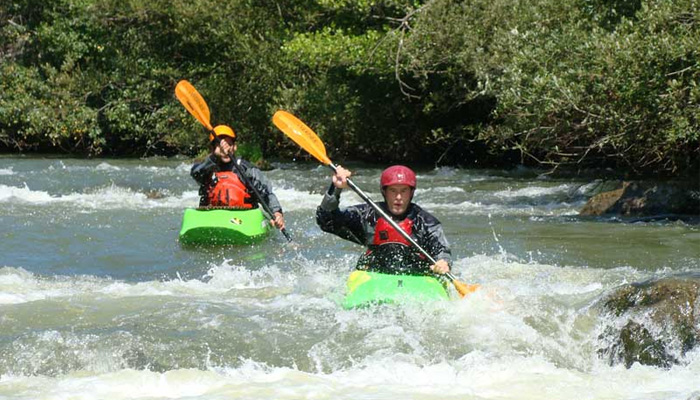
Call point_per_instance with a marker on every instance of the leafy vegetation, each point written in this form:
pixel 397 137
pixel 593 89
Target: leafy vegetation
pixel 568 84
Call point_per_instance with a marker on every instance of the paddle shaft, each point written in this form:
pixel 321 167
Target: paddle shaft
pixel 391 221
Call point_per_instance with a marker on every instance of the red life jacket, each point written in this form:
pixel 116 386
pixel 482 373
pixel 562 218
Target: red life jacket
pixel 227 190
pixel 384 233
pixel 390 252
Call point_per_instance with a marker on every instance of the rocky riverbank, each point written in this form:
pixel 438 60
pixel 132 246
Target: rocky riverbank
pixel 645 200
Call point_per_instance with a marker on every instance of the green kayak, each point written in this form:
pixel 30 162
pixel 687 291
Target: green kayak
pixel 223 226
pixel 365 288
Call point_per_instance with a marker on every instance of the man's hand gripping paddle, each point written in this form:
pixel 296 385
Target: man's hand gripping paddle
pixel 195 104
pixel 309 141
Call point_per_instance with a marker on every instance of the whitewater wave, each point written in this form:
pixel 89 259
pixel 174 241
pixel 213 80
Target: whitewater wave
pixel 518 209
pixel 104 198
pixel 535 192
pixel 476 375
pixel 116 197
pixel 518 277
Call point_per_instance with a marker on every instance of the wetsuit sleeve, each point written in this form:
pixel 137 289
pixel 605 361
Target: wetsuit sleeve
pixel 262 185
pixel 201 172
pixel 347 223
pixel 331 199
pixel 432 238
pixel 438 245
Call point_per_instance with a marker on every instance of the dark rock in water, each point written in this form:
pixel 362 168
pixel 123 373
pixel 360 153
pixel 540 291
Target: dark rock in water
pixel 601 186
pixel 602 202
pixel 646 199
pixel 652 323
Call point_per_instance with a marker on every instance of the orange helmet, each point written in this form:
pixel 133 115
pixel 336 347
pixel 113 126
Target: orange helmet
pixel 222 130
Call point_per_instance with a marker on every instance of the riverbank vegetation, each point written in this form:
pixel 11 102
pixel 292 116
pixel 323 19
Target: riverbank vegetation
pixel 557 83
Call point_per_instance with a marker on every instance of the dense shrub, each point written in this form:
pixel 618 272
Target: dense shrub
pixel 561 83
pixel 577 83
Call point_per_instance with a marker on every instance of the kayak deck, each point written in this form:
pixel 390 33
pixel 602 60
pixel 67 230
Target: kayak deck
pixel 223 226
pixel 365 288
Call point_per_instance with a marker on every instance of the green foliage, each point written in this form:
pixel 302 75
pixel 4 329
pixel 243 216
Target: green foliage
pixel 581 95
pixel 251 152
pixel 564 83
pixel 570 90
pixel 43 113
pixel 609 13
pixel 329 48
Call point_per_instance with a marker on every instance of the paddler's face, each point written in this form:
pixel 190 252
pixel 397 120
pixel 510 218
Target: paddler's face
pixel 398 197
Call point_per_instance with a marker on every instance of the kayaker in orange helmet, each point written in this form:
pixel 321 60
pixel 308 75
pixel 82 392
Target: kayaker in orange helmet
pixel 220 183
pixel 387 250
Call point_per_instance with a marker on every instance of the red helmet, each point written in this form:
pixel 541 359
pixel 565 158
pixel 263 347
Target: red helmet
pixel 398 175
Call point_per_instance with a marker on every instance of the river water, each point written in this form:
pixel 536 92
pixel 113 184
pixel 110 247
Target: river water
pixel 98 300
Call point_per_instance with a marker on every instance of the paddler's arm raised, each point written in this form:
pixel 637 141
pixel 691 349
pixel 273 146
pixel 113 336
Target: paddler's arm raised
pixel 345 223
pixel 331 199
pixel 340 178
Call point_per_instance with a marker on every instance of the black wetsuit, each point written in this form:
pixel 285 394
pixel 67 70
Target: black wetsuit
pixel 357 224
pixel 204 171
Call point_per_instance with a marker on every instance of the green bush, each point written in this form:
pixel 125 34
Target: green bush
pixel 574 86
pixel 559 83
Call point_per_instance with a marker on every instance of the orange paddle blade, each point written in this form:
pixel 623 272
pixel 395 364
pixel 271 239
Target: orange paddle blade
pixel 193 102
pixel 301 134
pixel 463 289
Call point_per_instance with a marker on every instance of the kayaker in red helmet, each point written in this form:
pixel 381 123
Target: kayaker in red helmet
pixel 387 250
pixel 220 184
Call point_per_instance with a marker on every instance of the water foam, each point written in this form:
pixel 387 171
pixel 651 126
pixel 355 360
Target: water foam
pixel 477 375
pixel 107 198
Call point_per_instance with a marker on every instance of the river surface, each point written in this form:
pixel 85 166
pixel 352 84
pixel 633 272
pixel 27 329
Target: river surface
pixel 99 301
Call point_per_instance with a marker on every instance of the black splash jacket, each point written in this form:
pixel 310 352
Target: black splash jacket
pixel 202 173
pixel 357 224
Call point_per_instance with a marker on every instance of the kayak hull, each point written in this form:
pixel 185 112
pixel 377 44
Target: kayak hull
pixel 223 227
pixel 366 288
